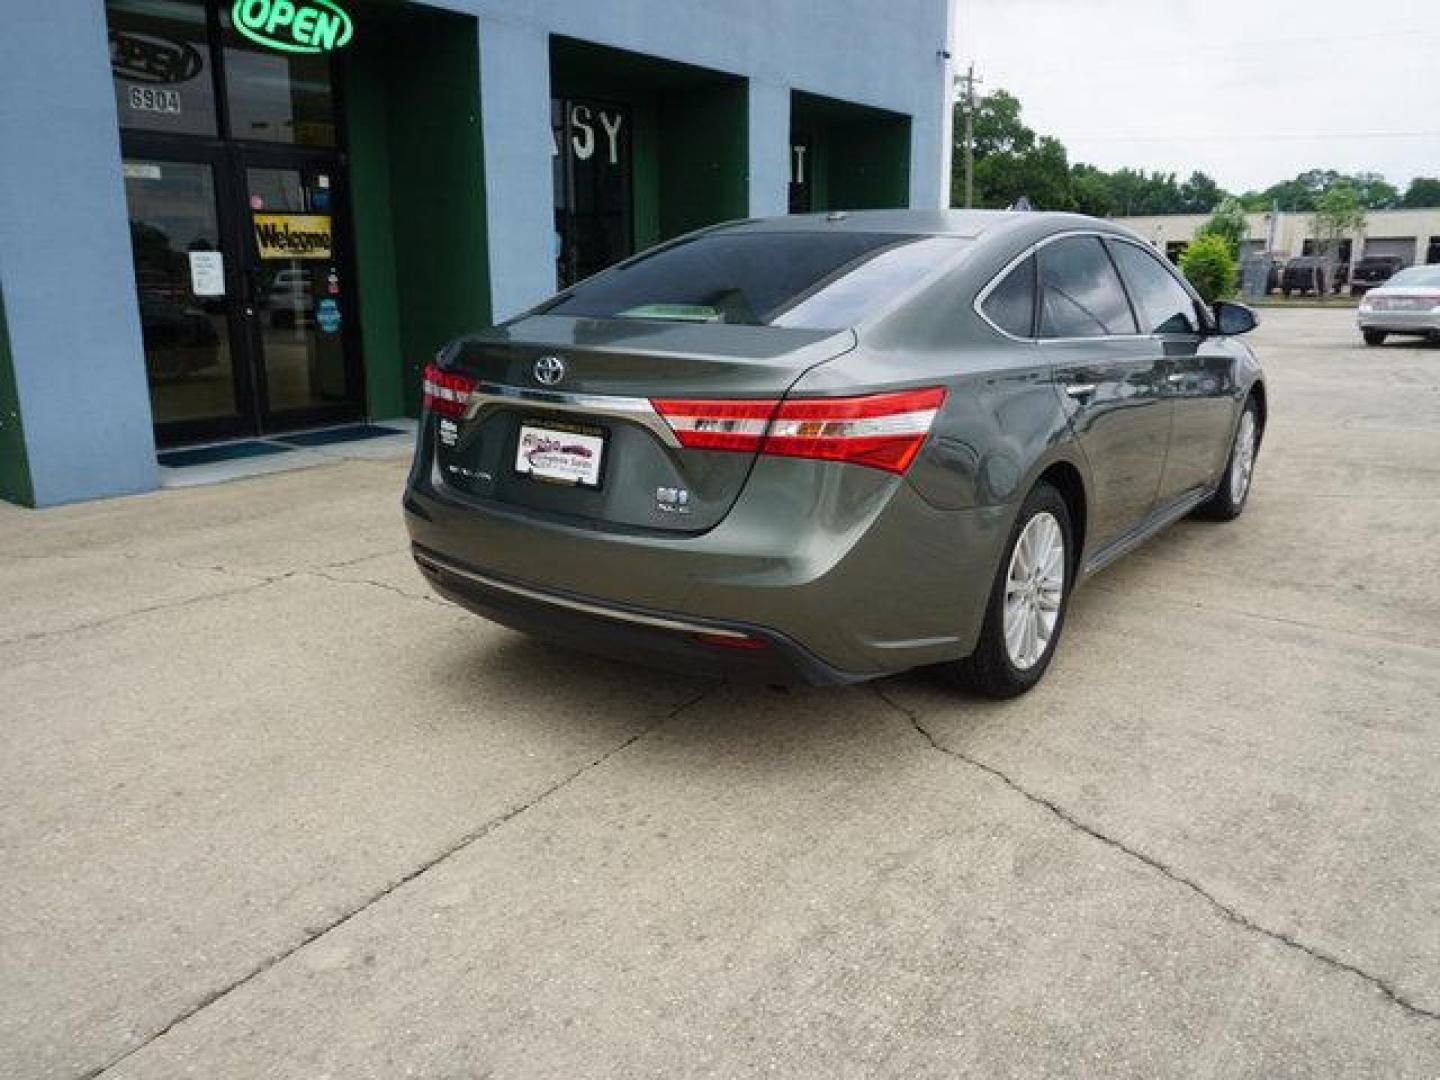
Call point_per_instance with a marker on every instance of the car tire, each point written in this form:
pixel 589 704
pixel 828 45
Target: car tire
pixel 1373 337
pixel 1230 497
pixel 1285 293
pixel 1016 646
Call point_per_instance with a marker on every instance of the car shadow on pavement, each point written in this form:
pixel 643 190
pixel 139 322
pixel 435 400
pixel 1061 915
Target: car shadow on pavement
pixel 573 693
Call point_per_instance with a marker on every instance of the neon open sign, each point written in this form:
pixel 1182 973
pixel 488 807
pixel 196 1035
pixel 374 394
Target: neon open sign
pixel 293 26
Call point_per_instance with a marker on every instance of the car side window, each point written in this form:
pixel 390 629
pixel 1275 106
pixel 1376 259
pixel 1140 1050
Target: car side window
pixel 1080 293
pixel 1011 304
pixel 1162 303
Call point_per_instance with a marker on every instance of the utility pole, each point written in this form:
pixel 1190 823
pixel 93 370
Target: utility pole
pixel 967 93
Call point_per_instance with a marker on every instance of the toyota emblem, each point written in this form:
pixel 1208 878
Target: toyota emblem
pixel 549 370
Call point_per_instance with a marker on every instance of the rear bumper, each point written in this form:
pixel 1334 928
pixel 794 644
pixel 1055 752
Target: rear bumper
pixel 847 573
pixel 1400 322
pixel 659 639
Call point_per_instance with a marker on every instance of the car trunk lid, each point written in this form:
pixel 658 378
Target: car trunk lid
pixel 560 419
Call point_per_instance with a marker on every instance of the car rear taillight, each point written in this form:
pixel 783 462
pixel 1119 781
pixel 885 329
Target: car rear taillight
pixel 717 425
pixel 880 431
pixel 445 392
pixel 883 431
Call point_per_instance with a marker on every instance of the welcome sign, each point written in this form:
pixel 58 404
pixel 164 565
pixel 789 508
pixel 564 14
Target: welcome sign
pixel 294 26
pixel 293 236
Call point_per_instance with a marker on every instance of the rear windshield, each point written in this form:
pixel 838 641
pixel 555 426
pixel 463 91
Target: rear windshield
pixel 806 280
pixel 1417 275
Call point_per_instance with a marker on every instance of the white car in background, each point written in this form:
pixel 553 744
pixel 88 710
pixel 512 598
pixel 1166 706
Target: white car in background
pixel 1409 303
pixel 291 299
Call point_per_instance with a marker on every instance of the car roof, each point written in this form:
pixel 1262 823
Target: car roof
pixel 966 224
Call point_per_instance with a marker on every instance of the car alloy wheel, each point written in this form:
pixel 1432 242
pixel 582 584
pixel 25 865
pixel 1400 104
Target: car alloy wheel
pixel 1243 458
pixel 1034 590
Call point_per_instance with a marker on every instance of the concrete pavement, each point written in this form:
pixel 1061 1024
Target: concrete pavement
pixel 269 809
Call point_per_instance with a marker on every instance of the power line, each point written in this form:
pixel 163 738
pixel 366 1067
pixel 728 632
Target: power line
pixel 1228 53
pixel 1292 136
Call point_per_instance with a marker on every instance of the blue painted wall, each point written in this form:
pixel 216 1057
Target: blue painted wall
pixel 65 267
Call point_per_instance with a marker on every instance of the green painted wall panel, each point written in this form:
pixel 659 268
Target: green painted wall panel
pixel 860 157
pixel 868 165
pixel 368 136
pixel 437 190
pixel 645 171
pixel 14 463
pixel 418 186
pixel 704 154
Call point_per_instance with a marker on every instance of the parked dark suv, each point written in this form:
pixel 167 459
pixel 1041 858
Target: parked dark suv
pixel 1374 270
pixel 1310 274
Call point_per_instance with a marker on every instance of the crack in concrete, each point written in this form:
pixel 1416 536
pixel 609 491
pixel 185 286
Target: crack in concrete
pixel 1226 911
pixel 474 836
pixel 176 564
pixel 121 616
pixel 420 597
pixel 255 581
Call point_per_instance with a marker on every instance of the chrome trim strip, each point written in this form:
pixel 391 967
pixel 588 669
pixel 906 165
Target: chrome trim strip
pixel 637 410
pixel 428 560
pixel 1144 531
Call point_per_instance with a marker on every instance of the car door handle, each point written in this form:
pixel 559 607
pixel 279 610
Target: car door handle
pixel 1080 389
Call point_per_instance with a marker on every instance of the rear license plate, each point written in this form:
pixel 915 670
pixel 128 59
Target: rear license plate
pixel 560 454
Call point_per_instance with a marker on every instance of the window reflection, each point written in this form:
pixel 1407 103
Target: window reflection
pixel 275 97
pixel 160 60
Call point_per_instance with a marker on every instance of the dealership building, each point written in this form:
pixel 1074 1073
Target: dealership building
pixel 226 220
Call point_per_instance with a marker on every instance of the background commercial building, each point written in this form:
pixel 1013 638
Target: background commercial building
pixel 230 218
pixel 1413 235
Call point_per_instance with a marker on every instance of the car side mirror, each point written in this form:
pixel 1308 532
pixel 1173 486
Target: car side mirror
pixel 1232 318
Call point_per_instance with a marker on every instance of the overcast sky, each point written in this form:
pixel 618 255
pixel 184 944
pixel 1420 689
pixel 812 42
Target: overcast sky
pixel 1249 91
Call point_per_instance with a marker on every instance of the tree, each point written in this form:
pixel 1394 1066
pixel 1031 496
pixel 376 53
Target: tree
pixel 1200 194
pixel 1208 265
pixel 1337 211
pixel 1227 222
pixel 1374 191
pixel 1424 191
pixel 998 128
pixel 1042 174
pixel 1091 191
pixel 1011 160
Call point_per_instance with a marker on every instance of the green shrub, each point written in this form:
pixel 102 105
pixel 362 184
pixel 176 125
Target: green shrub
pixel 1208 265
pixel 1228 221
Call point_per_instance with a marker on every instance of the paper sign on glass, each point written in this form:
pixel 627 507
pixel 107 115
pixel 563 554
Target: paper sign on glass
pixel 207 273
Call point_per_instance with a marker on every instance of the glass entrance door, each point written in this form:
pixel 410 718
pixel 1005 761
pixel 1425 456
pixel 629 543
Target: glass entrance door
pixel 301 315
pixel 242 274
pixel 190 307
